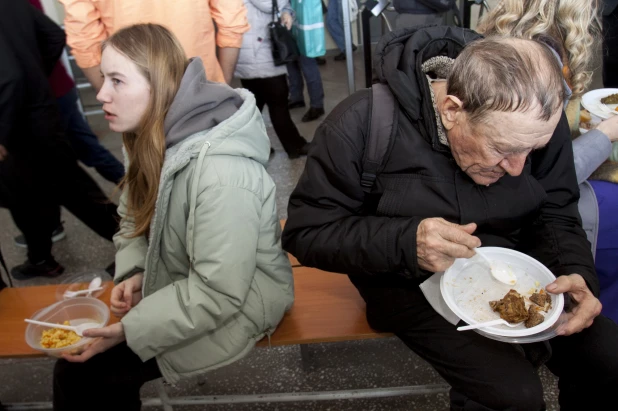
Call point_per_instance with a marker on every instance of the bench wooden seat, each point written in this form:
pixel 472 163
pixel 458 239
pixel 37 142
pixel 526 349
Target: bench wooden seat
pixel 327 308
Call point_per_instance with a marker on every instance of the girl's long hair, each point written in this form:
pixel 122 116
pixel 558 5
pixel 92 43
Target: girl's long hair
pixel 162 61
pixel 573 25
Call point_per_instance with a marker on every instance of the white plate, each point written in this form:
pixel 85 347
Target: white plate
pixel 467 288
pixel 592 102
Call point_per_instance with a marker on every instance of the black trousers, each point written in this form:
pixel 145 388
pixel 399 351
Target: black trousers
pixel 490 375
pixel 273 91
pixel 35 184
pixel 610 50
pixel 108 381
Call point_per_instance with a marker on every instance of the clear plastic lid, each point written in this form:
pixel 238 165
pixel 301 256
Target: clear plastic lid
pixel 78 285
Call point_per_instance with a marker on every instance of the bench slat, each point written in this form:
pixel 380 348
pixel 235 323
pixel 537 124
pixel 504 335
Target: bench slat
pixel 327 308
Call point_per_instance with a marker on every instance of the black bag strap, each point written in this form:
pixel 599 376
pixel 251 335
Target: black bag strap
pixel 275 11
pixel 382 126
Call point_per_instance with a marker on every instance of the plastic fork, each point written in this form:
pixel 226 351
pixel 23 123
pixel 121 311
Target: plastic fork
pixel 491 323
pixel 79 329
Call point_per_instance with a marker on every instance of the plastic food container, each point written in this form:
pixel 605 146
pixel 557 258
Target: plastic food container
pixel 468 286
pixel 76 311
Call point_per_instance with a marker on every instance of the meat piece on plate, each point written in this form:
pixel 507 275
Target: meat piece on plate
pixel 534 317
pixel 542 299
pixel 511 307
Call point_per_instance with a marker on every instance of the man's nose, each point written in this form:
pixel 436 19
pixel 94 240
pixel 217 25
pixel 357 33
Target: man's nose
pixel 514 164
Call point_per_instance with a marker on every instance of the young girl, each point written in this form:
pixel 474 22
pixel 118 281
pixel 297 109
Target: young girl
pixel 200 273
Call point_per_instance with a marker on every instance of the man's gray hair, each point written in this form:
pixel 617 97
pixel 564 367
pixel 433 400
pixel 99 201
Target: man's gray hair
pixel 507 74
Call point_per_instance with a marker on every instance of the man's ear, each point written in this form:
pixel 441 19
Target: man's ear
pixel 451 111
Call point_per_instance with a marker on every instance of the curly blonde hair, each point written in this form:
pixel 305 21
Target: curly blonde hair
pixel 573 26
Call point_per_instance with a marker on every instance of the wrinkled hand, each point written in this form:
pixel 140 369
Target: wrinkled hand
pixel 126 295
pixel 609 127
pixel 587 308
pixel 439 243
pixel 287 20
pixel 107 337
pixel 3 152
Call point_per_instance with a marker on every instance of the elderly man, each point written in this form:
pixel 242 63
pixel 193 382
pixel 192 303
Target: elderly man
pixel 481 155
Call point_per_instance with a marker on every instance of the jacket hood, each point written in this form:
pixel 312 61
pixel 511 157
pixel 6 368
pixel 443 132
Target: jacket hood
pixel 398 59
pixel 199 105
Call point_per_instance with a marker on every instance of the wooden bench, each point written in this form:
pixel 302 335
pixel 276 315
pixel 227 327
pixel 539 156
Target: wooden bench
pixel 327 308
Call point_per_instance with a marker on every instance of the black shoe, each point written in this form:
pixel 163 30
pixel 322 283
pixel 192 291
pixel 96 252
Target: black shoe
pixel 312 114
pixel 320 60
pixel 299 152
pixel 57 235
pixel 296 104
pixel 46 268
pixel 341 56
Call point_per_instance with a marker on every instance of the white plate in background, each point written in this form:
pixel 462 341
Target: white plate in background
pixel 592 102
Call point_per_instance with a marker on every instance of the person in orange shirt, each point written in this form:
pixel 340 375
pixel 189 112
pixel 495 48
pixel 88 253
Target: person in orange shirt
pixel 89 22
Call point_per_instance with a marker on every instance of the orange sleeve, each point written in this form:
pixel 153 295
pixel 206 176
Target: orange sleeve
pixel 230 17
pixel 85 31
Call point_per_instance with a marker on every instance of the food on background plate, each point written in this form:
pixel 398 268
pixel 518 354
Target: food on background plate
pixel 57 338
pixel 511 307
pixel 611 99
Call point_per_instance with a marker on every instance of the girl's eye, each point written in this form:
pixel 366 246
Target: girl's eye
pixel 115 81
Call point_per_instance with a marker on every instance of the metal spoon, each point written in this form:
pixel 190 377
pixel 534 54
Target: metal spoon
pixel 79 329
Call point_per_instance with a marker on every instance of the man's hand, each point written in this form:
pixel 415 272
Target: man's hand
pixel 126 295
pixel 287 20
pixel 107 338
pixel 587 308
pixel 3 152
pixel 439 243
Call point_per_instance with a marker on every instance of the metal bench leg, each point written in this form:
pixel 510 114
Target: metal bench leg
pixel 165 399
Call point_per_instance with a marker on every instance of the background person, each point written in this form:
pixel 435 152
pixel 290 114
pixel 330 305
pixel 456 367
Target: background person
pixel 258 74
pixel 572 29
pixel 89 22
pixel 38 168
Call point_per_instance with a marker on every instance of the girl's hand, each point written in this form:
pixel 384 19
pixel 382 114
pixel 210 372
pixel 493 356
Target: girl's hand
pixel 126 295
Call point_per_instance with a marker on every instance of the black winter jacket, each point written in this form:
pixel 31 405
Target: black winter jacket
pixel 30 46
pixel 334 226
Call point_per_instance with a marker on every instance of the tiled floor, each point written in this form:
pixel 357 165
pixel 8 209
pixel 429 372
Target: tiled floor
pixel 347 365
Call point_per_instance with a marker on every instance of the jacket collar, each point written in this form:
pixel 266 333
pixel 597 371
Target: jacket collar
pixel 398 60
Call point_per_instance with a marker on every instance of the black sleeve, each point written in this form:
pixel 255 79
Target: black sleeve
pixel 50 39
pixel 326 227
pixel 557 238
pixel 11 94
